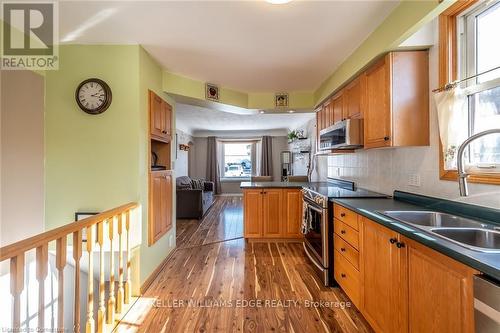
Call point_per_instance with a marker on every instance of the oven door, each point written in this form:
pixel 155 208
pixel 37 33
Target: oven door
pixel 316 238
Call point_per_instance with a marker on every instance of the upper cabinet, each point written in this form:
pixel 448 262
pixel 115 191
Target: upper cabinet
pixel 338 107
pixel 396 108
pixel 353 99
pixel 392 98
pixel 160 118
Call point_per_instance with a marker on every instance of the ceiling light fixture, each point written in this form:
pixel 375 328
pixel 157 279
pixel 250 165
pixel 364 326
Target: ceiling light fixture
pixel 291 111
pixel 278 2
pixel 261 112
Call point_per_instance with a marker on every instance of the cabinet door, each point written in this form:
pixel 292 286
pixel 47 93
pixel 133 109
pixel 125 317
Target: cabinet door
pixel 327 111
pixel 377 107
pixel 252 201
pixel 383 301
pixel 167 120
pixel 160 218
pixel 292 213
pixel 352 100
pixel 272 212
pixel 156 114
pixel 440 292
pixel 338 107
pixel 166 194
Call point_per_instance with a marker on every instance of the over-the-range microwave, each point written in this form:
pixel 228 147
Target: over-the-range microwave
pixel 346 134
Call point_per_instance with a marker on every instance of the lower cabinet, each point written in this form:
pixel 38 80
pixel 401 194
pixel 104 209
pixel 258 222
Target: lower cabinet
pixel 405 286
pixel 272 213
pixel 383 302
pixel 440 292
pixel 160 210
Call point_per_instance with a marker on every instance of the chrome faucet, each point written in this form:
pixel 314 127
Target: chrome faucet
pixel 462 175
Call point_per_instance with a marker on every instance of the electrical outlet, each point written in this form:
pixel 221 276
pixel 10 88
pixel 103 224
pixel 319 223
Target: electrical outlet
pixel 414 179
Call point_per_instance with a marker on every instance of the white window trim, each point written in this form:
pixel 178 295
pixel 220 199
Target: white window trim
pixel 253 142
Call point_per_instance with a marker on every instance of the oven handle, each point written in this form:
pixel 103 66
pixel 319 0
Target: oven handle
pixel 311 258
pixel 308 203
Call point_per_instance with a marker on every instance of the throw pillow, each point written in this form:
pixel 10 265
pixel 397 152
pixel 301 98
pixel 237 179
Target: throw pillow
pixel 197 184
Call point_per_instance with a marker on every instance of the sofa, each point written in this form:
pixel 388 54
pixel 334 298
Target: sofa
pixel 194 197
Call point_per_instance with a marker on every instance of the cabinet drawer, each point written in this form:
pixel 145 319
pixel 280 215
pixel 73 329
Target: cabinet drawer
pixel 347 233
pixel 347 277
pixel 347 216
pixel 346 250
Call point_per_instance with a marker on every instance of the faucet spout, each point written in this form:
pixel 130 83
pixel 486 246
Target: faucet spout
pixel 462 175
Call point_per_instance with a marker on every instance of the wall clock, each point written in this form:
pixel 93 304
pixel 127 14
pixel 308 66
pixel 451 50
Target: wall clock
pixel 93 96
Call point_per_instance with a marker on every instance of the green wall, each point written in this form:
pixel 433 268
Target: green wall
pixel 97 162
pixel 150 78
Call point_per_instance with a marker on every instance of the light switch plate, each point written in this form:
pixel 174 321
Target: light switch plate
pixel 414 179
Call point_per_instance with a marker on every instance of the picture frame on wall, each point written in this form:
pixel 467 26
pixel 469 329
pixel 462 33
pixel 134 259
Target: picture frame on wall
pixel 83 215
pixel 281 100
pixel 212 92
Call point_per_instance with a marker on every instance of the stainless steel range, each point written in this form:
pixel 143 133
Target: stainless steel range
pixel 317 223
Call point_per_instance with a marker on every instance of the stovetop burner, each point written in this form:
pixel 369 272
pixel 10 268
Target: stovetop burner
pixel 338 188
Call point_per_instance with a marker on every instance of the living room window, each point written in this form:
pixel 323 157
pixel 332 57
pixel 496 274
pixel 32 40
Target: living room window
pixel 469 48
pixel 238 159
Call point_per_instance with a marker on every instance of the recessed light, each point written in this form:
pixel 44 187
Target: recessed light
pixel 278 2
pixel 291 111
pixel 261 111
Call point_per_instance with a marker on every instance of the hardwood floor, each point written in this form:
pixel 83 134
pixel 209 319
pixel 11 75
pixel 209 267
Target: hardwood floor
pixel 223 221
pixel 239 286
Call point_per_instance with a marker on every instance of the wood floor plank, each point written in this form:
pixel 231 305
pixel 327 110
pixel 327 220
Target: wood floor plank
pixel 217 279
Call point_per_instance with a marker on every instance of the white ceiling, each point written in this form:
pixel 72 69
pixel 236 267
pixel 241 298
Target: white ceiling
pixel 252 46
pixel 201 121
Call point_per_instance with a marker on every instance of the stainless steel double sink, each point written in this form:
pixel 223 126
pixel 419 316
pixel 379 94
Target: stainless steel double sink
pixel 468 233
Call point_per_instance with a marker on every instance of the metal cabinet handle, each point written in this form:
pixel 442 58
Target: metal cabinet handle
pixel 393 240
pixel 400 245
pixel 342 232
pixel 342 214
pixel 342 275
pixel 342 249
pixel 386 138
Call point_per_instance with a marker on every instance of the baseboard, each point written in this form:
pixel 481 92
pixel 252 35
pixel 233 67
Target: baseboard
pixel 274 240
pixel 147 283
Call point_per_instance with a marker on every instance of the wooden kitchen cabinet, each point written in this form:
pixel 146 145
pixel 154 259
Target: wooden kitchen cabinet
pixel 160 204
pixel 338 107
pixel 353 94
pixel 440 292
pixel 396 101
pixel 272 213
pixel 252 215
pixel 272 208
pixel 383 265
pixel 404 286
pixel 160 113
pixel 292 213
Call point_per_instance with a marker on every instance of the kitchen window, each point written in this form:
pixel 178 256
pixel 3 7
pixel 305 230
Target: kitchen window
pixel 471 42
pixel 238 159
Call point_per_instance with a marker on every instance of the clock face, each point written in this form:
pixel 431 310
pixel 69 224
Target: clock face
pixel 93 96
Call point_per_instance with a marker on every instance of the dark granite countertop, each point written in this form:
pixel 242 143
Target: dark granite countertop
pixel 488 263
pixel 245 185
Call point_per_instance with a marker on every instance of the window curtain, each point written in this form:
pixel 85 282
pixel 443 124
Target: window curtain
pixel 453 123
pixel 213 166
pixel 266 160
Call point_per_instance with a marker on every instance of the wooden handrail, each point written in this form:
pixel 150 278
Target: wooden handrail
pixel 103 320
pixel 14 249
